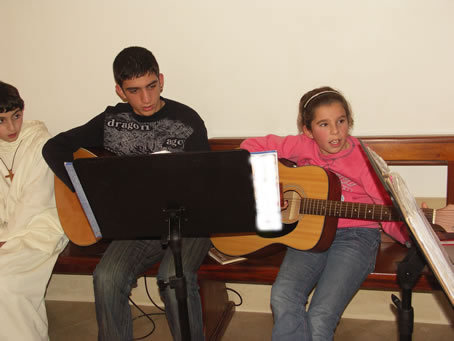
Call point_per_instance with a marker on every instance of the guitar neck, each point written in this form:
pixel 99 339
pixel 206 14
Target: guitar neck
pixel 353 210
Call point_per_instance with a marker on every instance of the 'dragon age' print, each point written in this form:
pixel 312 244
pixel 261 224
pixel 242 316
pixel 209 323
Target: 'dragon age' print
pixel 124 135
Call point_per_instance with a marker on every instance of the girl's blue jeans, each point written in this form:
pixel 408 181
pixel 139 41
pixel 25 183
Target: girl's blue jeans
pixel 123 262
pixel 336 275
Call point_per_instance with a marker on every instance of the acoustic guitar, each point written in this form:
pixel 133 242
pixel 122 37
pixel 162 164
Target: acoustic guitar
pixel 70 211
pixel 309 222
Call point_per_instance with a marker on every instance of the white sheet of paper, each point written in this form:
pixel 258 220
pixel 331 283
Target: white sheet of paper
pixel 266 188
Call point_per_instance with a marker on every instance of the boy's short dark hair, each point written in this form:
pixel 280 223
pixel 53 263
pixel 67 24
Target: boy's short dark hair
pixel 9 98
pixel 134 62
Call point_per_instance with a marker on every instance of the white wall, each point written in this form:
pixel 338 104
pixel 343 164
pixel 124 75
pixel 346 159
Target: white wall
pixel 243 64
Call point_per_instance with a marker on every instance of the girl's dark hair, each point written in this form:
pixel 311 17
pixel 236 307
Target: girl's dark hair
pixel 315 98
pixel 9 98
pixel 134 62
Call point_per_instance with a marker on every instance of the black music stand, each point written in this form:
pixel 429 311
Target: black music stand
pixel 169 196
pixel 420 253
pixel 408 270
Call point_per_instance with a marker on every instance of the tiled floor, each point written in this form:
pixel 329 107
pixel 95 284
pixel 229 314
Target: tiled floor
pixel 70 321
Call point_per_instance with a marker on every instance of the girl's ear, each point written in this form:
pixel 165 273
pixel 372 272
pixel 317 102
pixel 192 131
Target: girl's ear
pixel 307 132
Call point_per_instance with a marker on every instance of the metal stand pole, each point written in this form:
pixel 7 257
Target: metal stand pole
pixel 408 272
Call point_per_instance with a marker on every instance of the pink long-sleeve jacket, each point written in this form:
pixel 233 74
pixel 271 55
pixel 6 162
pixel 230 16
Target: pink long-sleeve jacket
pixel 357 177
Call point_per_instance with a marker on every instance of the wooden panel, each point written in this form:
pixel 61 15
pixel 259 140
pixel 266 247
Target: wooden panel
pixel 436 149
pixel 450 188
pixel 263 270
pixel 427 149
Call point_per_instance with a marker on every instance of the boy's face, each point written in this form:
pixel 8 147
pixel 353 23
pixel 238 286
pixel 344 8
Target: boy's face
pixel 142 93
pixel 11 124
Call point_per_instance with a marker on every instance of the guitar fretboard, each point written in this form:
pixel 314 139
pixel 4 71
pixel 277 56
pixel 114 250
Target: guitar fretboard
pixel 351 210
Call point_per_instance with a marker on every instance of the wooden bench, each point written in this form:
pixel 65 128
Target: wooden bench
pixel 396 150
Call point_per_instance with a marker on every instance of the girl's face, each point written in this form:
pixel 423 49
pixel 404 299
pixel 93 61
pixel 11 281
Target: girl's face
pixel 329 128
pixel 10 125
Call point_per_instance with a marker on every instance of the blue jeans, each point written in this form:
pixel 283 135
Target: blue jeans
pixel 337 275
pixel 117 272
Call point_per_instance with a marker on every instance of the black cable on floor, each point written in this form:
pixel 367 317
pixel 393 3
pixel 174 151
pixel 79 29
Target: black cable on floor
pixel 163 310
pixel 148 294
pixel 144 314
pixel 238 294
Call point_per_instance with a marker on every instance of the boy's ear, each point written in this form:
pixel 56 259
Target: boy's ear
pixel 307 132
pixel 161 81
pixel 120 93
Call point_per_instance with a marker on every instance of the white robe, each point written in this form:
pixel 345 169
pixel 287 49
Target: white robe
pixel 32 233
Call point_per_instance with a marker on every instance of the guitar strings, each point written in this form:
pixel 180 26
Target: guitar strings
pixel 344 209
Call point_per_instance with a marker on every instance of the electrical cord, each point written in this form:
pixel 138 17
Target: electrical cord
pixel 144 315
pixel 147 315
pixel 148 294
pixel 238 294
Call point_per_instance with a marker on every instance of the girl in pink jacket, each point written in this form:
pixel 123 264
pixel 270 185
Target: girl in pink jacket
pixel 325 121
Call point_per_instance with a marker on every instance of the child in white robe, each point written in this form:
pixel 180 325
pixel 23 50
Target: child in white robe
pixel 31 236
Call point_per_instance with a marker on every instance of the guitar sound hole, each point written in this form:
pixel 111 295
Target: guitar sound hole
pixel 286 228
pixel 292 213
